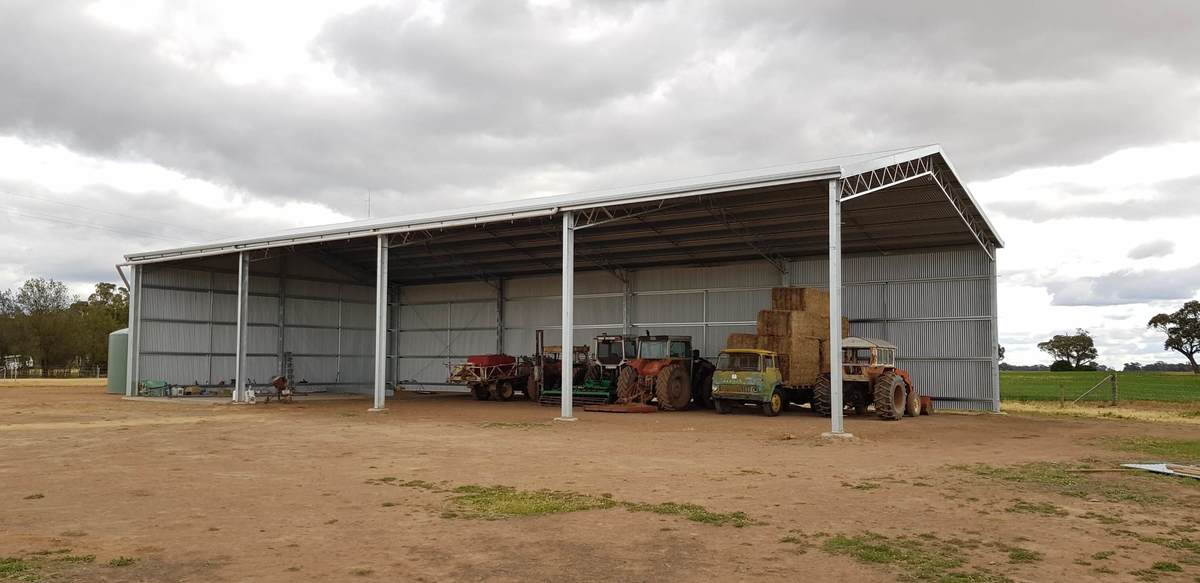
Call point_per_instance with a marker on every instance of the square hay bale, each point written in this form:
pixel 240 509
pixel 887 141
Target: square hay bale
pixel 776 344
pixel 804 357
pixel 774 322
pixel 799 298
pixel 783 362
pixel 741 340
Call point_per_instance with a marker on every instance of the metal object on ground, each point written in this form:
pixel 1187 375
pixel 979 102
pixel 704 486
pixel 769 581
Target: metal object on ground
pixel 493 376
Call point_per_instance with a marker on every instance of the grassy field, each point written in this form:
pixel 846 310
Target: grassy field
pixel 1147 386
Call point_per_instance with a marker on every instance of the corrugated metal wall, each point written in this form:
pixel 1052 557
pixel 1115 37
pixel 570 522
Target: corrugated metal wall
pixel 189 320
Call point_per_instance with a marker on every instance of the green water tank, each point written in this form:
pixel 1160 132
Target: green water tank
pixel 118 352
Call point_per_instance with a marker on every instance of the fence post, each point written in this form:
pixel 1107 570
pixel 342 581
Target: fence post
pixel 1114 389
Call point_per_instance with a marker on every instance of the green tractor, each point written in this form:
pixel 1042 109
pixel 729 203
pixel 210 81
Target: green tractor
pixel 598 382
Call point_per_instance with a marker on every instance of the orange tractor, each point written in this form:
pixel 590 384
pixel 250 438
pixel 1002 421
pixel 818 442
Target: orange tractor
pixel 667 371
pixel 870 378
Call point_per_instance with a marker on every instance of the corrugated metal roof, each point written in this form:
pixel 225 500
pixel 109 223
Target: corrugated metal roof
pixel 838 167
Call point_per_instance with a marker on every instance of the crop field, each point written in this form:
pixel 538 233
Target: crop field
pixel 1141 386
pixel 445 488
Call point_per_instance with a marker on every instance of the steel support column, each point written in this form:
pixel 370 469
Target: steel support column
pixel 381 307
pixel 995 372
pixel 835 307
pixel 132 364
pixel 240 336
pixel 568 316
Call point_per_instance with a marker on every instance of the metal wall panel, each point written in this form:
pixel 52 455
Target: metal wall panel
pixel 174 304
pixel 174 337
pixel 447 292
pixel 736 306
pixel 664 308
pixel 313 289
pixel 587 282
pixel 311 312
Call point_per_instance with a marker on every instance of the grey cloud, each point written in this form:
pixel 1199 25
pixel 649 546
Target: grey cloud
pixel 1157 248
pixel 1127 287
pixel 1170 198
pixel 496 97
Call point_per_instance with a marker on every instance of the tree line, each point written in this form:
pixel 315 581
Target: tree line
pixel 44 322
pixel 1078 351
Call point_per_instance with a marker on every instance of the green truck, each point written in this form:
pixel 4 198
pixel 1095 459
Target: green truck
pixel 750 376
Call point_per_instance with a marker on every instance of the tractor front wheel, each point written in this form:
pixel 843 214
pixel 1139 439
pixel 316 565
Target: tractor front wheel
pixel 822 401
pixel 890 396
pixel 774 405
pixel 912 407
pixel 702 391
pixel 672 389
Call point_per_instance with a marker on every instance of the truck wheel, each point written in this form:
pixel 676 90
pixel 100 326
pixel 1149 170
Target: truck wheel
pixel 822 397
pixel 702 391
pixel 627 385
pixel 672 389
pixel 504 391
pixel 772 406
pixel 722 406
pixel 480 392
pixel 912 407
pixel 890 396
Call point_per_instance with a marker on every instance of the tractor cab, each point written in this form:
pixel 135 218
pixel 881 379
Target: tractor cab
pixel 613 351
pixel 865 358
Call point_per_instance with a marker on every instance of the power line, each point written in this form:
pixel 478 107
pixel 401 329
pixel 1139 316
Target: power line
pixel 115 214
pixel 57 219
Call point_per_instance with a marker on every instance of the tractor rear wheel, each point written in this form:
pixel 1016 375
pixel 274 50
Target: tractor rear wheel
pixel 672 389
pixel 627 385
pixel 774 405
pixel 912 407
pixel 480 392
pixel 504 391
pixel 890 396
pixel 822 402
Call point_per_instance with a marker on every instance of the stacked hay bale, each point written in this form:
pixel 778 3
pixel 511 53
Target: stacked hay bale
pixel 797 329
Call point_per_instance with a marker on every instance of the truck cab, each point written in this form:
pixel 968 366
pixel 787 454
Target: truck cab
pixel 748 376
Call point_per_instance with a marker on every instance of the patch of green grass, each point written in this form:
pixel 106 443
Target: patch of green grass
pixel 508 425
pixel 917 559
pixel 35 497
pixel 77 558
pixel 394 481
pixel 51 552
pixel 1144 386
pixel 1104 570
pixel 1043 508
pixel 1167 567
pixel 388 504
pixel 17 568
pixel 693 512
pixel 122 562
pixel 1103 555
pixel 1019 555
pixel 361 572
pixel 498 502
pixel 1055 477
pixel 1173 450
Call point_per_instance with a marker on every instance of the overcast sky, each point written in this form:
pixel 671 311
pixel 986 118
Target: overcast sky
pixel 130 125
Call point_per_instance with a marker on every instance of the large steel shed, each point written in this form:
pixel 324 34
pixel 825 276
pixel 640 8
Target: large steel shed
pixel 905 250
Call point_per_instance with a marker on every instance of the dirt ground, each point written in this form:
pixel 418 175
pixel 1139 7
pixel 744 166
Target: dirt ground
pixel 325 491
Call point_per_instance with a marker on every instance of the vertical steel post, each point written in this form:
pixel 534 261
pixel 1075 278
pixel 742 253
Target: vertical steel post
pixel 381 297
pixel 835 306
pixel 135 325
pixel 995 372
pixel 626 303
pixel 243 315
pixel 568 316
pixel 500 316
